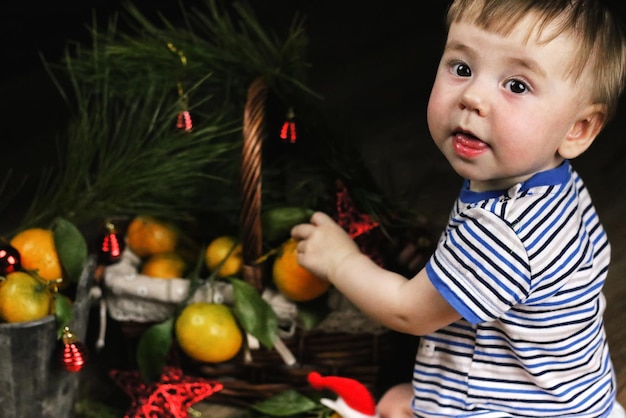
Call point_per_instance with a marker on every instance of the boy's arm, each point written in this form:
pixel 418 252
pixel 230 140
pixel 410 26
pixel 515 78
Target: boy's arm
pixel 411 306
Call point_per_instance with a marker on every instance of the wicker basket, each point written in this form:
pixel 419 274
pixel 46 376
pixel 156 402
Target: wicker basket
pixel 260 373
pixel 341 354
pixel 255 374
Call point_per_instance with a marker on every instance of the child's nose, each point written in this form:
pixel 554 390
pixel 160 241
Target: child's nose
pixel 475 99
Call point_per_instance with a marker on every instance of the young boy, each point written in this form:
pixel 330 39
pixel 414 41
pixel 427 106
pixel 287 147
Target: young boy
pixel 509 306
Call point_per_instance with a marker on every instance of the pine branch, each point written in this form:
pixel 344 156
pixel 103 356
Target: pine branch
pixel 121 154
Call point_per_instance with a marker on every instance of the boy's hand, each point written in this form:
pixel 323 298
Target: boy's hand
pixel 322 245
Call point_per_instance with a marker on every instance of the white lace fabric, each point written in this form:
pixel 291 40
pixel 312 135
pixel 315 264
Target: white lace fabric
pixel 131 296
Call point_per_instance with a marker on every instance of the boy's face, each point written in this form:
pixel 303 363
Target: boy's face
pixel 501 106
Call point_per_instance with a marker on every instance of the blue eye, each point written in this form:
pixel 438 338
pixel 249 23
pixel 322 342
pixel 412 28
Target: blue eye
pixel 462 70
pixel 517 86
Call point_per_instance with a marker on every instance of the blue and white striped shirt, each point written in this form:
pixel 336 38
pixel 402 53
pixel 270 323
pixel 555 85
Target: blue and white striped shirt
pixel 525 268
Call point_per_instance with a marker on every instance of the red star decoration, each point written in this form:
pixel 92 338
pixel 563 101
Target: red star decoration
pixel 349 217
pixel 358 225
pixel 170 397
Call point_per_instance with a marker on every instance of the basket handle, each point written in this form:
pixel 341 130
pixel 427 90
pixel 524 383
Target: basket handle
pixel 250 212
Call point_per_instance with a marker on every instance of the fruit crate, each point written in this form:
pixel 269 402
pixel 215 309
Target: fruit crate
pixel 33 382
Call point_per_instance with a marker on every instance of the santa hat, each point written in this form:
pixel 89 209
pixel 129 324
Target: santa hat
pixel 354 399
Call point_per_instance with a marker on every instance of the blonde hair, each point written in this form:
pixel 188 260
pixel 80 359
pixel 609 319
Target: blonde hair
pixel 602 46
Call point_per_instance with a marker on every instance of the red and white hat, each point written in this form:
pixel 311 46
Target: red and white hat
pixel 354 399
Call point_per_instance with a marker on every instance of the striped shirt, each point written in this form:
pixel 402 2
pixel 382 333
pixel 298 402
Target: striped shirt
pixel 525 269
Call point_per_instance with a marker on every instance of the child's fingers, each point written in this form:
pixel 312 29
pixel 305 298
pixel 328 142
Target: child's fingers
pixel 301 231
pixel 320 218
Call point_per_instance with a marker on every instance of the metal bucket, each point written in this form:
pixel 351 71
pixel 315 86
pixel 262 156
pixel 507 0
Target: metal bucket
pixel 32 381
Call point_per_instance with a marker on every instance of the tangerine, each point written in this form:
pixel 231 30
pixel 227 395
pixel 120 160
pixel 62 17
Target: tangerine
pixel 208 332
pixel 38 252
pixel 292 280
pixel 164 266
pixel 24 298
pixel 221 248
pixel 147 235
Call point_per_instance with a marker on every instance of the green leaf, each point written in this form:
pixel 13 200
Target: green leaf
pixel 153 348
pixel 254 314
pixel 71 247
pixel 285 404
pixel 63 311
pixel 276 223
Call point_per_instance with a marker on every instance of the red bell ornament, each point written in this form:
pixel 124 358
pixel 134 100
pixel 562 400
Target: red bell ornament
pixel 10 259
pixel 111 245
pixel 73 353
pixel 183 121
pixel 288 130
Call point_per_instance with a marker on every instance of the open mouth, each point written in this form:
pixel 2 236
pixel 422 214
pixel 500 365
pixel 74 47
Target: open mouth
pixel 466 145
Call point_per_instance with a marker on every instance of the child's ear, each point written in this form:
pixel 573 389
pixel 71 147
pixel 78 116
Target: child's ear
pixel 583 132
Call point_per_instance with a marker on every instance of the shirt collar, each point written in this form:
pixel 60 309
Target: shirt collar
pixel 553 177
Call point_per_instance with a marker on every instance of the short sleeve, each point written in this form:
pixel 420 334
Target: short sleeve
pixel 480 266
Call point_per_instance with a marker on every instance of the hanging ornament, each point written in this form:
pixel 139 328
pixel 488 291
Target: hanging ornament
pixel 288 130
pixel 10 259
pixel 183 120
pixel 73 354
pixel 111 244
